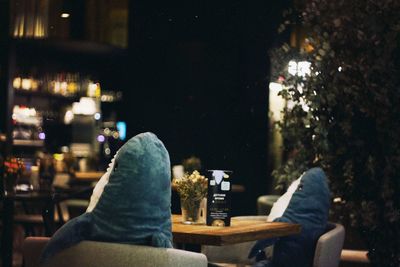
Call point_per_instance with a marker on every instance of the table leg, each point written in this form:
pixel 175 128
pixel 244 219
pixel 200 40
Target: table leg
pixel 189 247
pixel 7 235
pixel 194 248
pixel 48 218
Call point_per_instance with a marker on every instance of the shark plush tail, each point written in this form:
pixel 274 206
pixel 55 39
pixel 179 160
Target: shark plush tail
pixel 68 235
pixel 160 240
pixel 258 249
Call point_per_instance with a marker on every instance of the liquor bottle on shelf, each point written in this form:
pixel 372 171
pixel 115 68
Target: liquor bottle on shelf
pixel 26 83
pixel 27 126
pixel 72 83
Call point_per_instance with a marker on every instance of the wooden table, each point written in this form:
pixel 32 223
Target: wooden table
pixel 88 176
pixel 241 230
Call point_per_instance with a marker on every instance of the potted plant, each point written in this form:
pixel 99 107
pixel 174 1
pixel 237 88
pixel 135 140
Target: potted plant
pixel 192 189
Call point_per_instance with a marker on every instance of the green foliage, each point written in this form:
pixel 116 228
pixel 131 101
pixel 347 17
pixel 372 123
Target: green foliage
pixel 350 125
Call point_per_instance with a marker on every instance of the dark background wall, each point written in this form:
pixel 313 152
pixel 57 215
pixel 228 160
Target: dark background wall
pixel 197 76
pixel 4 72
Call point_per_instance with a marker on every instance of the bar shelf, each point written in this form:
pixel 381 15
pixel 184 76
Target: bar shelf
pixel 68 46
pixel 41 94
pixel 29 143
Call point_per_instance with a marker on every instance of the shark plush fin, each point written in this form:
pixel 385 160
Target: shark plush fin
pixel 160 240
pixel 68 235
pixel 258 249
pixel 308 206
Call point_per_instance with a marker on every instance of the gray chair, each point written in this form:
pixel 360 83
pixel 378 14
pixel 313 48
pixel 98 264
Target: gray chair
pixel 329 246
pixel 327 251
pixel 102 254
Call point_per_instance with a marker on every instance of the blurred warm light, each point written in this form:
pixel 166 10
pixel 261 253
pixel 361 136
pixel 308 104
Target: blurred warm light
pixel 107 98
pixel 301 68
pixel 30 19
pixel 17 82
pixel 93 90
pixel 64 86
pixel 304 105
pixel 57 87
pixel 65 15
pixel 39 30
pixel 304 68
pixel 337 200
pixel 26 84
pixel 292 67
pixel 23 111
pixel 35 85
pixel 58 156
pixel 85 106
pixel 19 26
pixel 68 117
pixel 308 48
pixel 72 87
pixel 25 115
pixel 115 135
pixel 275 87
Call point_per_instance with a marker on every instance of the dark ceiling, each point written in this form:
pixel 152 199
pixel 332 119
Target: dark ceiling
pixel 198 78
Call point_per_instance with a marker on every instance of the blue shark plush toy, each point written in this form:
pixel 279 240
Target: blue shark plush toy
pixel 130 204
pixel 306 203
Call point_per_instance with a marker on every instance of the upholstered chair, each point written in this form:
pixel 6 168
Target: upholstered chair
pixel 102 254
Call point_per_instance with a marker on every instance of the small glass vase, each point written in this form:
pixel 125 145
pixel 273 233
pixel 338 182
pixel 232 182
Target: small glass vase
pixel 193 211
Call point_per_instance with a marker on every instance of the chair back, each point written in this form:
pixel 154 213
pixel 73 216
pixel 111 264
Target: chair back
pixel 265 203
pixel 102 254
pixel 329 246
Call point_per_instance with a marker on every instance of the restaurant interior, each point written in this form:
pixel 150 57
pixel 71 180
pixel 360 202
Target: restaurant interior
pixel 234 92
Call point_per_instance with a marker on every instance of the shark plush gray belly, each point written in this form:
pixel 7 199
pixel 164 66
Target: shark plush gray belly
pixel 307 206
pixel 131 203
